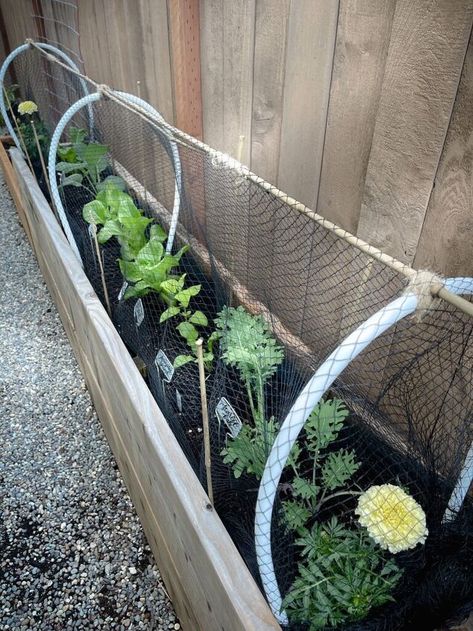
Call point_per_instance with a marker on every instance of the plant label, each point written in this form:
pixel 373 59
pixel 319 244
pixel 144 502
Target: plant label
pixel 139 312
pixel 178 400
pixel 226 414
pixel 162 361
pixel 121 293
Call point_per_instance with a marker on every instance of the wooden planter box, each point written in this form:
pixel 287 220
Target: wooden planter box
pixel 210 586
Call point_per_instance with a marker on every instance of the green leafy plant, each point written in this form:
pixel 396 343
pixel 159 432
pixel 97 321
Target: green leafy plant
pixel 116 212
pixel 342 577
pixel 82 164
pixel 343 574
pixel 330 470
pixel 26 131
pixel 147 267
pixel 248 346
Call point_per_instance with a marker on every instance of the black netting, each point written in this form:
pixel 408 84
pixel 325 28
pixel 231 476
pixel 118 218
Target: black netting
pixel 283 292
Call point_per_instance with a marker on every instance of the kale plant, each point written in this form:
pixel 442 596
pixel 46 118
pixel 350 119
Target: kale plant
pixel 248 346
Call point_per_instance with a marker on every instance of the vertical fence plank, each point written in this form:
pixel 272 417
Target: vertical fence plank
pixel 268 86
pixel 446 240
pixel 363 35
pixel 184 29
pixel 227 47
pixel 309 56
pixel 423 68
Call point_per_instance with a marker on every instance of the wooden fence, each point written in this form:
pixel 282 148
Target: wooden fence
pixel 358 108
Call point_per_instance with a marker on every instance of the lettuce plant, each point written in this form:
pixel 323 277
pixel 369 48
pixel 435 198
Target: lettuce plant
pixel 116 212
pixel 82 164
pixel 248 346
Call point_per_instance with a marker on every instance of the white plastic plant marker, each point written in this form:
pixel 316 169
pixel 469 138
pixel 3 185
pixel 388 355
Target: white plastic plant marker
pixel 122 291
pixel 311 394
pixel 163 362
pixel 225 413
pixel 138 312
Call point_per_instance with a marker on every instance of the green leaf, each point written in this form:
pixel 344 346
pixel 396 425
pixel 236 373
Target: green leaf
pixel 111 228
pixel 69 167
pixel 182 360
pixel 94 212
pixel 136 291
pixel 179 254
pixel 304 489
pixel 295 515
pixel 173 285
pixel 184 296
pixel 157 232
pixel 77 135
pixel 199 318
pixel 67 154
pixel 169 313
pixel 112 197
pixel 114 181
pixel 338 468
pixel 151 254
pixel 93 154
pixel 325 423
pixel 188 332
pixel 72 180
pixel 130 270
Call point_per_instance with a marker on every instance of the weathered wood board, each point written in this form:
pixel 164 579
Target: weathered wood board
pixel 209 584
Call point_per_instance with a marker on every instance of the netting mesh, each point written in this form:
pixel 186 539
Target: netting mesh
pixel 378 460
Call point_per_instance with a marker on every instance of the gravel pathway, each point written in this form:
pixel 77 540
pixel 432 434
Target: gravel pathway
pixel 72 551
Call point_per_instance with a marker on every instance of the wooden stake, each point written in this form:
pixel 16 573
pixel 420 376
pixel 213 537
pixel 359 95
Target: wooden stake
pixel 102 273
pixel 205 418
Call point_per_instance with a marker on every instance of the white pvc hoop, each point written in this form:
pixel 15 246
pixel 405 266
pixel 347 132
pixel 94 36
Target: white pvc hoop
pixel 55 140
pixel 3 71
pixel 332 367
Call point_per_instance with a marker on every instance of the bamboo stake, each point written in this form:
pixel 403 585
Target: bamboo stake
pixel 20 135
pixel 205 418
pixel 102 273
pixel 41 158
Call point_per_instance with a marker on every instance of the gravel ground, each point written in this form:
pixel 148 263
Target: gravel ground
pixel 72 551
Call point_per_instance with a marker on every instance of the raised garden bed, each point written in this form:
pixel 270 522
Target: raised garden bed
pixel 210 585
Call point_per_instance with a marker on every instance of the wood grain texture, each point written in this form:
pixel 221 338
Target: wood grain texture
pixel 425 59
pixel 184 36
pixel 209 584
pixel 309 56
pixel 445 243
pixel 227 47
pixel 363 36
pixel 268 86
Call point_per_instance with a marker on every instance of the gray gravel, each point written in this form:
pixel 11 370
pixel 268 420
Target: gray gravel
pixel 72 551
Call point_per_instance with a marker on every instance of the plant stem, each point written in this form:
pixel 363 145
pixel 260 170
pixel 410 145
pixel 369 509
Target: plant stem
pixel 329 497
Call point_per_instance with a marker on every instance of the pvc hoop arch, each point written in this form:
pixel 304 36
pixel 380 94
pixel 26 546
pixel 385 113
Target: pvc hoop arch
pixel 295 420
pixel 3 71
pixel 65 119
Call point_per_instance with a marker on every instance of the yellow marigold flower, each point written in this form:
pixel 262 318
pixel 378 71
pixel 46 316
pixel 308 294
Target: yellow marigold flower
pixel 392 517
pixel 27 107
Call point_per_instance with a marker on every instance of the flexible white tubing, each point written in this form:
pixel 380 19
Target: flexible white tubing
pixel 65 119
pixel 332 367
pixel 3 71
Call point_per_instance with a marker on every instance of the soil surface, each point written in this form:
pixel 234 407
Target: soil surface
pixel 72 551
